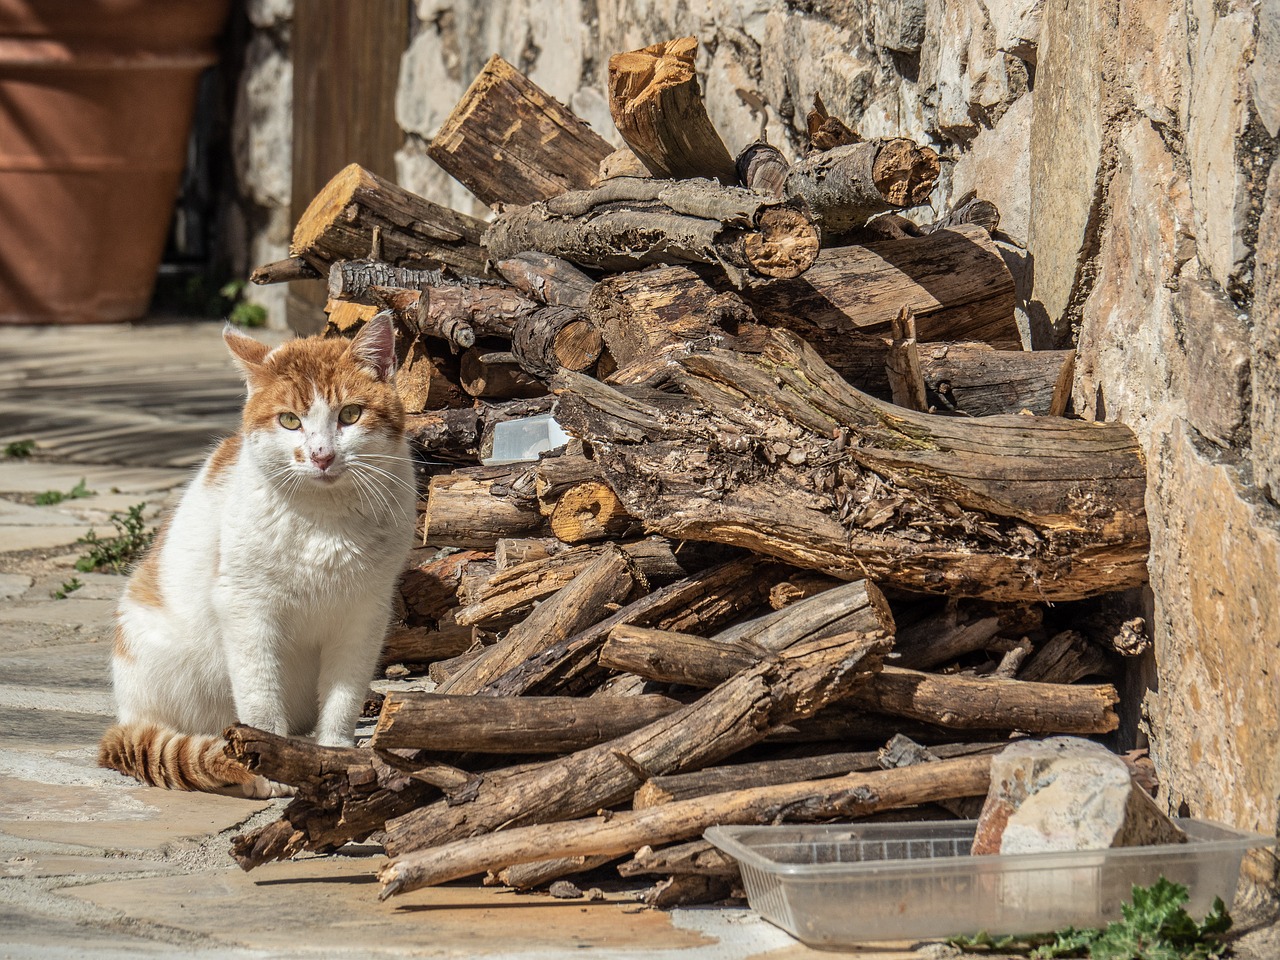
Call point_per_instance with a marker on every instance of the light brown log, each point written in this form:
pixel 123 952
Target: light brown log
pixel 627 222
pixel 360 215
pixel 621 163
pixel 797 683
pixel 583 602
pixel 485 309
pixel 547 279
pixel 590 511
pixel 428 378
pixel 847 185
pixel 855 795
pixel 346 319
pixel 657 106
pixel 825 131
pixel 1065 657
pixel 430 589
pixel 509 141
pixel 420 645
pixel 902 364
pixel 970 379
pixel 495 375
pixel 510 725
pixel 740 776
pixel 512 552
pixel 285 271
pixel 992 507
pixel 696 857
pixel 477 506
pixel 954 281
pixel 762 167
pixel 530 876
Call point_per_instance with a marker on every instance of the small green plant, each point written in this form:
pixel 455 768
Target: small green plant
pixel 117 553
pixel 19 449
pixel 1155 926
pixel 78 492
pixel 68 587
pixel 241 312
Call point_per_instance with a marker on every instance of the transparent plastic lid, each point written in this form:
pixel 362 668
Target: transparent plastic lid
pixel 516 441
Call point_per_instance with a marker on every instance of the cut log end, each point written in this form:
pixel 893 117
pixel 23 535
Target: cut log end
pixel 905 173
pixel 786 245
pixel 328 205
pixel 589 511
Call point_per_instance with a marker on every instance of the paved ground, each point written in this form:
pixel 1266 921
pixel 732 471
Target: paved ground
pixel 93 865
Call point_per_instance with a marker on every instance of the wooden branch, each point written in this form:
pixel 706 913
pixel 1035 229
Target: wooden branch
pixel 847 185
pixel 477 506
pixel 621 163
pixel 696 857
pixel 739 712
pixel 530 876
pixel 509 141
pixel 657 106
pixel 285 271
pixel 1065 658
pixel 552 338
pixel 991 507
pixel 607 580
pixel 740 776
pixel 626 222
pixel 825 131
pixel 763 168
pixel 954 281
pixel 855 795
pixel 360 215
pixel 352 279
pixel 903 364
pixel 511 725
pixel 547 279
pixel 496 375
pixel 980 382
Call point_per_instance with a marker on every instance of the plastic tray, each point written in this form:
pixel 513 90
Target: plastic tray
pixel 833 886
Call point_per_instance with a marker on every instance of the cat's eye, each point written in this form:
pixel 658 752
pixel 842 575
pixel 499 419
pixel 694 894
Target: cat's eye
pixel 290 421
pixel 350 414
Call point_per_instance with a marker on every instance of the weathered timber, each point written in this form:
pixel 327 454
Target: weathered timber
pixel 554 337
pixel 902 364
pixel 762 167
pixel 847 185
pixel 583 602
pixel 360 215
pixel 485 309
pixel 955 282
pixel 621 163
pixel 628 222
pixel 902 751
pixel 980 382
pixel 426 644
pixel 496 375
pixel 513 551
pixel 477 506
pixel 687 890
pixel 673 657
pixel 697 857
pixel 428 378
pixel 825 131
pixel 800 586
pixel 702 601
pixel 352 279
pixel 738 776
pixel 796 683
pixel 657 106
pixel 942 639
pixel 285 271
pixel 776 453
pixel 451 434
pixel 430 589
pixel 530 876
pixel 1065 657
pixel 547 279
pixel 969 209
pixel 511 725
pixel 509 141
pixel 854 795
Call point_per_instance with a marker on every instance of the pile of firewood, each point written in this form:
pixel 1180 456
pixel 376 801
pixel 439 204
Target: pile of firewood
pixel 816 499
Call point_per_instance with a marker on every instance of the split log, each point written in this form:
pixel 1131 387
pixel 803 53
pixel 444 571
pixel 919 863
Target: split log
pixel 902 364
pixel 1065 658
pixel 855 795
pixel 658 108
pixel 547 279
pixel 607 580
pixel 626 222
pixel 496 375
pixel 477 506
pixel 847 185
pixel 955 282
pixel 346 319
pixel 698 857
pixel 955 702
pixel 509 141
pixel 428 378
pixel 978 381
pixel 1005 508
pixel 530 876
pixel 511 725
pixel 797 683
pixel 425 644
pixel 763 168
pixel 360 215
pixel 285 271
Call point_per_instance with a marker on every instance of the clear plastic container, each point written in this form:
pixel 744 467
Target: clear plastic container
pixel 515 441
pixel 835 885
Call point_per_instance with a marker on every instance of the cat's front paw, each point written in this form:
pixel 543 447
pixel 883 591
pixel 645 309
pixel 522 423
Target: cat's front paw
pixel 260 788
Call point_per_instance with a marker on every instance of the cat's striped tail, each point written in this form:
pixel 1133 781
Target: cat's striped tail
pixel 166 758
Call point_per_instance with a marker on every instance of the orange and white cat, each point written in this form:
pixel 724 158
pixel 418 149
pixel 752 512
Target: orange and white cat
pixel 266 598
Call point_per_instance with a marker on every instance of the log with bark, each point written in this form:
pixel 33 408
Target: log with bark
pixel 360 215
pixel 854 795
pixel 477 506
pixel 975 380
pixel 776 453
pixel 509 141
pixel 657 106
pixel 626 222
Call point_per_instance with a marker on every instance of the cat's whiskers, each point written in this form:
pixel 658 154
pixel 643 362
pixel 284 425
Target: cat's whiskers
pixel 370 484
pixel 404 484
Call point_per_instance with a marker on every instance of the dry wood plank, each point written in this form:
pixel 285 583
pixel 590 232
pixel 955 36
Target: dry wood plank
pixel 627 222
pixel 360 215
pixel 854 795
pixel 475 507
pixel 509 141
pixel 980 382
pixel 657 106
pixel 1004 508
pixel 796 683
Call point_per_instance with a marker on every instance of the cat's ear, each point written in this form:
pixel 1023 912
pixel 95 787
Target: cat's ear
pixel 374 347
pixel 246 351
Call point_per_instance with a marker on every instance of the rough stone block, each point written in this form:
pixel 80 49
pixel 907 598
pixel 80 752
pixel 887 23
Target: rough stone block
pixel 1265 347
pixel 998 165
pixel 899 25
pixel 1217 350
pixel 1066 793
pixel 1016 24
pixel 1264 72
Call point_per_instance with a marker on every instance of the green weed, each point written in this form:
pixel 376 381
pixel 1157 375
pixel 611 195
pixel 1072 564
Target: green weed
pixel 19 449
pixel 68 587
pixel 115 554
pixel 78 492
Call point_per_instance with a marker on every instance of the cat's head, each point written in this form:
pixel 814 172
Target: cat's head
pixel 322 411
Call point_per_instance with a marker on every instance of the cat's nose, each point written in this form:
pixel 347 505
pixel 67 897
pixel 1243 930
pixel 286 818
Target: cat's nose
pixel 322 459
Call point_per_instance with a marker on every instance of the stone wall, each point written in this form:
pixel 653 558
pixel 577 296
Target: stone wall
pixel 1129 148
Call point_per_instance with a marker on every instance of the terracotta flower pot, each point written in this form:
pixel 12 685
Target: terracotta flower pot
pixel 96 99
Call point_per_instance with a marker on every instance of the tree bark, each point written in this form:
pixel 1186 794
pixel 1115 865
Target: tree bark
pixel 739 712
pixel 552 338
pixel 855 795
pixel 284 271
pixel 509 141
pixel 1005 508
pixel 477 506
pixel 627 222
pixel 763 168
pixel 975 380
pixel 359 215
pixel 353 279
pixel 658 108
pixel 495 375
pixel 547 279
